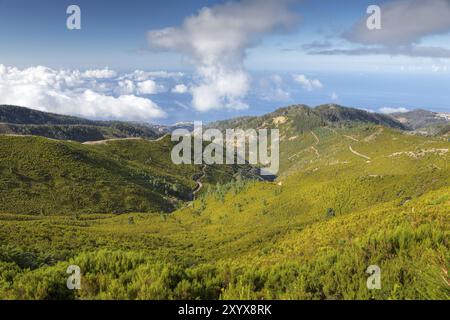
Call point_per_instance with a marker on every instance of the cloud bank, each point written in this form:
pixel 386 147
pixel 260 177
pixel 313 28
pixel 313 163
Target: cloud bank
pixel 95 94
pixel 215 40
pixel 388 110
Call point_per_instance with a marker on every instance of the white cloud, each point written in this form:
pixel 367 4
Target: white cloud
pixel 149 87
pixel 126 87
pixel 279 94
pixel 367 110
pixel 215 40
pixel 274 89
pixel 140 75
pixel 180 88
pixel 100 74
pixel 388 110
pixel 307 84
pixel 226 89
pixel 85 94
pixel 439 68
pixel 334 96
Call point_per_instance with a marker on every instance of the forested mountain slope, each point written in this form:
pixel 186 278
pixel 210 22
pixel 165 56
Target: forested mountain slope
pixel 23 121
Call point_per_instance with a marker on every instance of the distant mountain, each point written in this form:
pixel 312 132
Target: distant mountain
pixel 16 120
pixel 169 128
pixel 302 117
pixel 422 119
pixel 21 115
pixel 23 121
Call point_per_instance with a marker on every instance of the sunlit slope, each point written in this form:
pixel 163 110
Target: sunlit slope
pixel 155 258
pixel 364 195
pixel 401 169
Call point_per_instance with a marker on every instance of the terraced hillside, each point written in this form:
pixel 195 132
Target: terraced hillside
pixel 350 194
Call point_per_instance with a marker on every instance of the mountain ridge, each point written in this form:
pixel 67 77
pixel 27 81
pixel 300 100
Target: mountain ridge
pixel 421 119
pixel 322 115
pixel 25 121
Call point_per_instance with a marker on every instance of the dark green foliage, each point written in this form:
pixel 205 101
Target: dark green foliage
pixel 330 213
pixel 23 121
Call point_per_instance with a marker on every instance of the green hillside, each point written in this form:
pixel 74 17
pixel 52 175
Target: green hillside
pixel 348 196
pixel 42 176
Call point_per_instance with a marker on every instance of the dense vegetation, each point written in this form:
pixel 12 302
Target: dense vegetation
pixel 42 176
pixel 23 121
pixel 350 194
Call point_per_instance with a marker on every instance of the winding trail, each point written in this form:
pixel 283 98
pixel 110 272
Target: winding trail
pixel 351 138
pixel 124 139
pixel 315 151
pixel 199 183
pixel 313 147
pixel 358 154
pixel 350 147
pixel 316 137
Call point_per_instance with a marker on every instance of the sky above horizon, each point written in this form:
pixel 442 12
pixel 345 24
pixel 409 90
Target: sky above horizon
pixel 174 61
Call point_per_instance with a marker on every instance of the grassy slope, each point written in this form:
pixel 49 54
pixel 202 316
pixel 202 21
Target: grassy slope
pixel 42 176
pixel 260 239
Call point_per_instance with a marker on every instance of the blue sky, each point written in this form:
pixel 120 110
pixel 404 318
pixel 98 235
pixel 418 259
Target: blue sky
pixel 244 57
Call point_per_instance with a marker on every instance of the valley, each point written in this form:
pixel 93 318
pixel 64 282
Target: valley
pixel 353 190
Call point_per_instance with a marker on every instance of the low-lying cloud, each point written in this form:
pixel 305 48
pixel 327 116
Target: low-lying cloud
pixel 215 40
pixel 95 94
pixel 388 110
